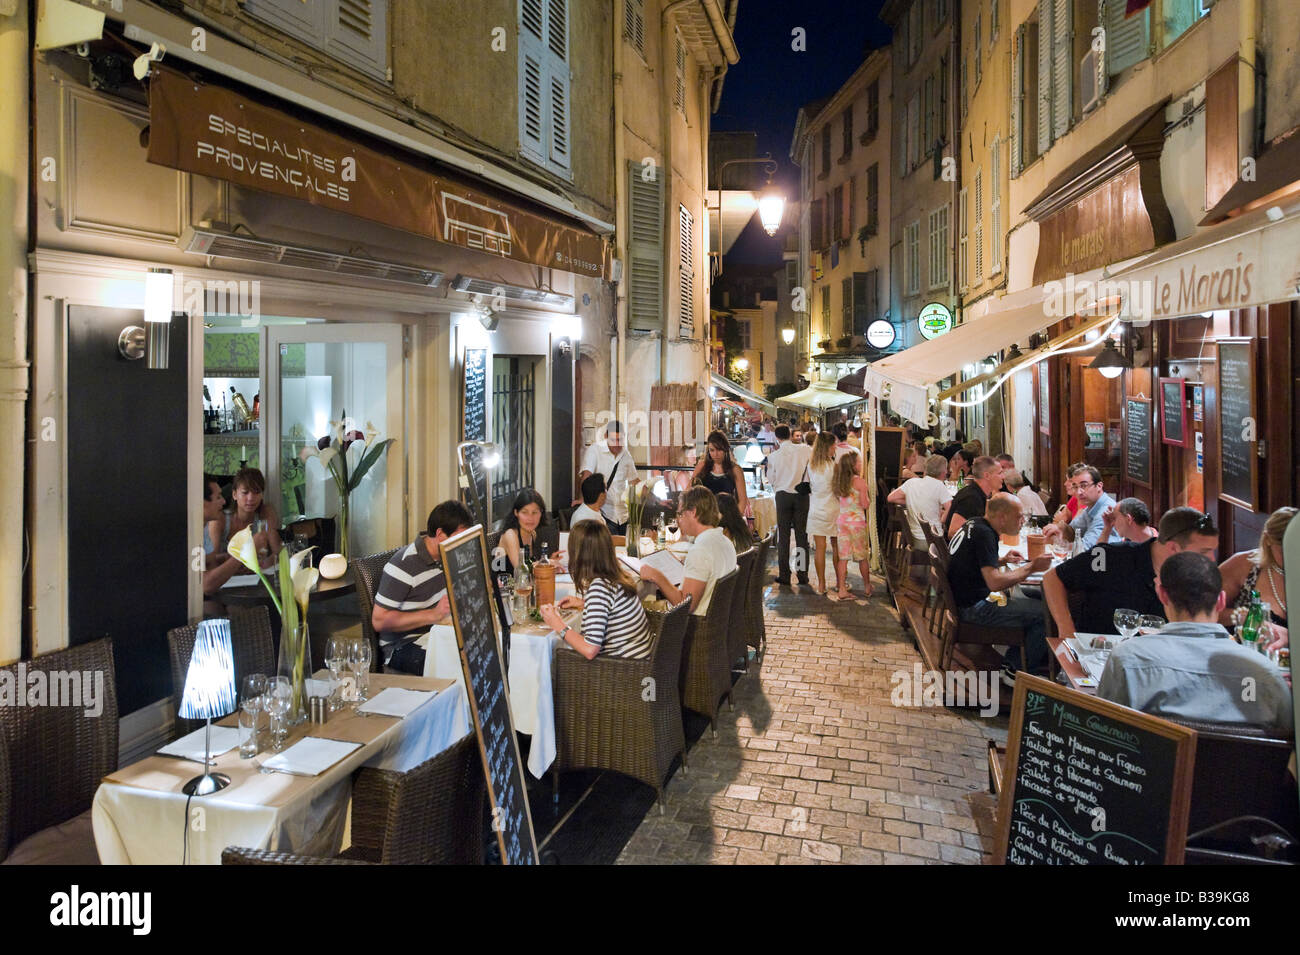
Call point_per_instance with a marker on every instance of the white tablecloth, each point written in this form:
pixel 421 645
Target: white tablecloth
pixel 763 507
pixel 142 823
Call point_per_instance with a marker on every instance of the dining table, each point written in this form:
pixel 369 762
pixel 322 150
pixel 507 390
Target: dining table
pixel 763 507
pixel 141 816
pixel 246 589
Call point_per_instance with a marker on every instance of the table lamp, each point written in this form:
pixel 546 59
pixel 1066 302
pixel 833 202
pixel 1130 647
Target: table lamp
pixel 209 692
pixel 755 456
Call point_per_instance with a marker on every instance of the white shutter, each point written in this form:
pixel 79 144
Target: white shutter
pixel 532 122
pixel 995 207
pixel 560 120
pixel 1127 38
pixel 979 227
pixel 644 249
pixel 686 279
pixel 532 16
pixel 557 29
pixel 634 24
pixel 1044 75
pixel 1062 67
pixel 354 32
pixel 1017 97
pixel 679 90
pixel 963 216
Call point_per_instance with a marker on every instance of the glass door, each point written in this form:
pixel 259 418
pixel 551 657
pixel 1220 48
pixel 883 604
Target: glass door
pixel 328 381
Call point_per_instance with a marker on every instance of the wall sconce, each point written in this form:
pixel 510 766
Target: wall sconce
pixel 787 334
pixel 565 347
pixel 158 297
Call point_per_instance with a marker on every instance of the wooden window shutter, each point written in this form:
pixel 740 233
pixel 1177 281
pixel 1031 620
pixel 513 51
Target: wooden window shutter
pixel 1045 34
pixel 645 250
pixel 1062 67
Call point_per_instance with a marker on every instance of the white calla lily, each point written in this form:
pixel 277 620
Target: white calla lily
pixel 243 548
pixel 327 455
pixel 303 582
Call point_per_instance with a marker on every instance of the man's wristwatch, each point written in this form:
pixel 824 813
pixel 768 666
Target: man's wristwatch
pixel 566 629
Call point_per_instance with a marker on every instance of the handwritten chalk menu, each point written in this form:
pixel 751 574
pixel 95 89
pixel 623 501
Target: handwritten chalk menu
pixel 1137 440
pixel 475 418
pixel 1238 461
pixel 890 446
pixel 1091 783
pixel 1173 411
pixel 464 561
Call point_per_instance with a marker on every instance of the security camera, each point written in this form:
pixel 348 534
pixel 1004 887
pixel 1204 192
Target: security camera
pixel 141 67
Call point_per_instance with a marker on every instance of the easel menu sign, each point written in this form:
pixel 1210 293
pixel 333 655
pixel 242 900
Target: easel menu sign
pixel 1137 440
pixel 1091 783
pixel 1238 460
pixel 891 447
pixel 464 561
pixel 475 391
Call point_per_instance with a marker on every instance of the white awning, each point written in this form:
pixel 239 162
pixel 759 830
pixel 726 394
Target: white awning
pixel 819 396
pixel 726 384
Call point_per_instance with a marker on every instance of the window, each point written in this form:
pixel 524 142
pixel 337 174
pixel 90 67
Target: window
pixel 994 20
pixel 939 247
pixel 826 309
pixel 873 109
pixel 904 147
pixel 1056 68
pixel 979 52
pixel 850 201
pixel 817 223
pixel 742 328
pixel 1177 17
pixel 1017 96
pixel 995 207
pixel 686 272
pixel 928 134
pixel 979 228
pixel 866 300
pixel 634 25
pixel 963 217
pixel 837 214
pixel 964 96
pixel 645 249
pixel 544 83
pixel 846 306
pixel 1027 101
pixel 679 97
pixel 826 150
pixel 791 273
pixel 1127 38
pixel 915 32
pixel 912 246
pixel 847 122
pixel 873 198
pixel 354 32
pixel 917 148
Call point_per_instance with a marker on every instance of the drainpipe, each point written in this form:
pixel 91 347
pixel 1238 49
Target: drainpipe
pixel 667 68
pixel 621 218
pixel 1247 30
pixel 14 166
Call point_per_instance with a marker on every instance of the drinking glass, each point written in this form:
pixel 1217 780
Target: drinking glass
pixel 336 658
pixel 253 701
pixel 1150 622
pixel 248 730
pixel 279 695
pixel 258 528
pixel 359 664
pixel 1060 548
pixel 1126 622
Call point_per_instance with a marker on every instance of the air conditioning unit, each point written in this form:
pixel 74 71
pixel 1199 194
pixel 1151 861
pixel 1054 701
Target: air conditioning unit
pixel 1092 80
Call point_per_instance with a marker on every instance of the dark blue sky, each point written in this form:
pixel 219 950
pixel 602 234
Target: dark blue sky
pixel 763 92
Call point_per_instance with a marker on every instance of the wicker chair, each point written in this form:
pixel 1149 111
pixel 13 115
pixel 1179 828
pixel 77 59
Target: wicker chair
pixel 738 638
pixel 706 674
pixel 250 643
pixel 755 627
pixel 602 718
pixel 56 757
pixel 952 630
pixel 233 855
pixel 367 571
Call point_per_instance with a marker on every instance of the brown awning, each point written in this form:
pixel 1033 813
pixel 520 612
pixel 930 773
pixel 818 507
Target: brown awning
pixel 209 130
pixel 1277 178
pixel 852 384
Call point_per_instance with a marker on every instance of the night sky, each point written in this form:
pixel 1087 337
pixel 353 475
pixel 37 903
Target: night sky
pixel 763 92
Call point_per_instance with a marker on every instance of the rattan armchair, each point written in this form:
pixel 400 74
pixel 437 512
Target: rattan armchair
pixel 755 626
pixel 738 638
pixel 235 855
pixel 706 673
pixel 250 644
pixel 367 571
pixel 603 718
pixel 56 757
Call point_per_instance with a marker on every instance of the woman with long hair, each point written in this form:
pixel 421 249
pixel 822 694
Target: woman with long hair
pixel 614 623
pixel 734 524
pixel 1262 570
pixel 719 472
pixel 823 508
pixel 247 488
pixel 527 526
pixel 854 498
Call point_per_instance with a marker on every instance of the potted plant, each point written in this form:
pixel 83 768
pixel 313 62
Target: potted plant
pixel 824 344
pixel 844 342
pixel 332 452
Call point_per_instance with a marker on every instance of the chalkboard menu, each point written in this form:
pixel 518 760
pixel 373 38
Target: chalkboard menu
pixel 1173 411
pixel 1238 461
pixel 890 444
pixel 474 481
pixel 1137 440
pixel 1044 399
pixel 464 560
pixel 1091 783
pixel 475 421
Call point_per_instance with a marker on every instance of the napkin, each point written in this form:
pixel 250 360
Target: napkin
pixel 242 580
pixel 310 756
pixel 395 701
pixel 190 746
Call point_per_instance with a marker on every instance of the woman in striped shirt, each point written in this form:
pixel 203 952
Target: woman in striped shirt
pixel 613 621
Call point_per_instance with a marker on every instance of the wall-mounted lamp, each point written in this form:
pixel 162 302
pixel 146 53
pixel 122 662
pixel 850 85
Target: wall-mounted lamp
pixel 787 334
pixel 158 297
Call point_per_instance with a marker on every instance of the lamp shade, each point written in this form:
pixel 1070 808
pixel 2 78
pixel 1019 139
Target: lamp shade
pixel 1111 362
pixel 158 295
pixel 771 207
pixel 210 679
pixel 754 455
pixel 787 334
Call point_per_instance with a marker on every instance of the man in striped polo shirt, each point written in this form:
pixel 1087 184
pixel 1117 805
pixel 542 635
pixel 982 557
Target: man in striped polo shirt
pixel 412 593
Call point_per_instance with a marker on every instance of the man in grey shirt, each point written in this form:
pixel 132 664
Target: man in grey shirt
pixel 1192 669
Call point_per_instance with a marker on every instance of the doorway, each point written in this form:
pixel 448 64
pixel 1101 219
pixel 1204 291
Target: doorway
pixel 514 425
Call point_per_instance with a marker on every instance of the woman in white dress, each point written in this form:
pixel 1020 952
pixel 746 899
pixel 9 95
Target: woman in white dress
pixel 823 507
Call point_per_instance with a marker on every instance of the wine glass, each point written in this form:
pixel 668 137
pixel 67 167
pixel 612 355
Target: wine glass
pixel 336 658
pixel 1150 623
pixel 359 663
pixel 279 695
pixel 1126 622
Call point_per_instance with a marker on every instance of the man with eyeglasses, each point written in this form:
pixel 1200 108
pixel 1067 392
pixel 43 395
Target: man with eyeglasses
pixel 1089 524
pixel 1112 577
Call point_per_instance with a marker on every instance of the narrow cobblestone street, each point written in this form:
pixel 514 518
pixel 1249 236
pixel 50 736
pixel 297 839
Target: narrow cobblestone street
pixel 816 765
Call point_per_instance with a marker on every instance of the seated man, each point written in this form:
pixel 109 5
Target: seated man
pixel 1131 520
pixel 1192 669
pixel 923 499
pixel 1122 576
pixel 711 555
pixel 971 499
pixel 1014 482
pixel 975 571
pixel 412 594
pixel 593 499
pixel 1088 526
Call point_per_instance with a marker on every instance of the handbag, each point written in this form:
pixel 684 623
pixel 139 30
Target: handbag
pixel 803 487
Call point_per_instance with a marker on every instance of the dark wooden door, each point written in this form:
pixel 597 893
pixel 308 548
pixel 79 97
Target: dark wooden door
pixel 128 555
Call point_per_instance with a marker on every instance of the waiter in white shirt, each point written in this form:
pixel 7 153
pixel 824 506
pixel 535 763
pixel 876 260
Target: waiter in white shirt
pixel 612 461
pixel 787 467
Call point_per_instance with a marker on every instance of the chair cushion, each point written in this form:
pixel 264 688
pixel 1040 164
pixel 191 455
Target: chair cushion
pixel 68 843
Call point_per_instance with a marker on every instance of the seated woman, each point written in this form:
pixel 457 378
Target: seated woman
pixel 734 524
pixel 527 526
pixel 719 472
pixel 682 479
pixel 218 565
pixel 614 623
pixel 1261 570
pixel 248 485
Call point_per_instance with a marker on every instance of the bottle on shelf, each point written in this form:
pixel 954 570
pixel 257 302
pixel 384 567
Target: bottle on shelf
pixel 241 405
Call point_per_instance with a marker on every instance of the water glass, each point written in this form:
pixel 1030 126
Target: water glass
pixel 248 732
pixel 359 663
pixel 1150 623
pixel 1126 622
pixel 336 658
pixel 279 696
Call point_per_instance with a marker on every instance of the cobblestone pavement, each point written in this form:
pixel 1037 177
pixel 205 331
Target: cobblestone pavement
pixel 816 764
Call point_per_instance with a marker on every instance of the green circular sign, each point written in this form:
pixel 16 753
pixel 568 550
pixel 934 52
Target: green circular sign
pixel 935 320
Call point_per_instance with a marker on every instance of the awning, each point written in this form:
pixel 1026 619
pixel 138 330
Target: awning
pixel 1248 261
pixel 726 384
pixel 851 384
pixel 209 130
pixel 1277 178
pixel 820 396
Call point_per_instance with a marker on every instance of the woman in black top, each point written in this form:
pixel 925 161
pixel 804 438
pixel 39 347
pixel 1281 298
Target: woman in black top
pixel 527 526
pixel 720 473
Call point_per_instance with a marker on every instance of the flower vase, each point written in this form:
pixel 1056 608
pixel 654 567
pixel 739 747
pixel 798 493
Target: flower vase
pixel 344 515
pixel 295 665
pixel 633 540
